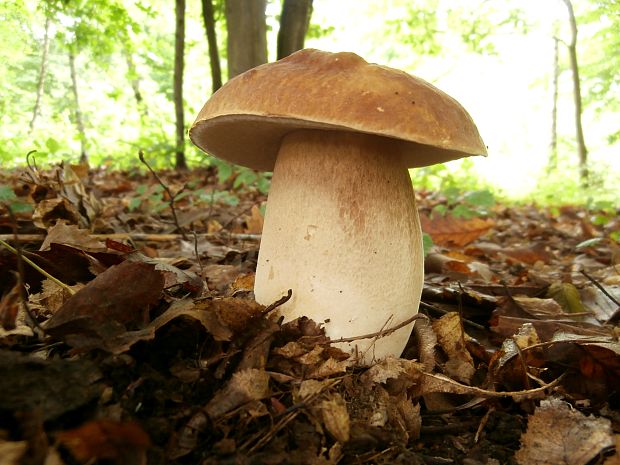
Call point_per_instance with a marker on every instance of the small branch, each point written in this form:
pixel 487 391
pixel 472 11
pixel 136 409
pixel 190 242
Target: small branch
pixel 37 267
pixel 444 312
pixel 168 191
pixel 279 302
pixel 135 237
pixel 21 273
pixel 602 289
pixel 382 333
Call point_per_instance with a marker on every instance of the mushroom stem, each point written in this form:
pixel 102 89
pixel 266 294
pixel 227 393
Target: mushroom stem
pixel 342 231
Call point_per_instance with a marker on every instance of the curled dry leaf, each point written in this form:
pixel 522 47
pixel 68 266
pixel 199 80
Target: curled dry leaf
pixel 336 417
pixel 452 339
pixel 557 434
pixel 449 230
pixel 12 452
pixel 119 297
pixel 244 386
pixel 72 235
pixel 122 442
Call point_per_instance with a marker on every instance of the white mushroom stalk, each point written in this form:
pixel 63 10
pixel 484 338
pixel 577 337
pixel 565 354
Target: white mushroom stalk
pixel 342 231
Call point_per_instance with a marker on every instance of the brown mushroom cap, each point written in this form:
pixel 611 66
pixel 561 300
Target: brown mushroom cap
pixel 244 121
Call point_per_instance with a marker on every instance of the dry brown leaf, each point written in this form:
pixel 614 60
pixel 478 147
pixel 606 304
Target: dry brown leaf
pixel 12 452
pixel 123 442
pixel 336 417
pixel 49 211
pixel 449 230
pixel 71 234
pixel 557 434
pixel 244 386
pixel 528 254
pixel 310 388
pixel 452 338
pixel 392 368
pixel 119 296
pixel 255 221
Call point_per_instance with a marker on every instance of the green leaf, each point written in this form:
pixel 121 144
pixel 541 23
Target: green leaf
pixel 134 203
pixel 427 243
pixel 463 211
pixel 440 210
pixel 224 171
pixel 480 198
pixel 52 145
pixel 6 194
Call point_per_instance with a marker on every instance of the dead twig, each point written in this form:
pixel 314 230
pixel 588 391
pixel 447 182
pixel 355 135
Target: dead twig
pixel 21 273
pixel 277 303
pixel 135 237
pixel 600 286
pixel 169 192
pixel 382 333
pixel 37 267
pixel 444 312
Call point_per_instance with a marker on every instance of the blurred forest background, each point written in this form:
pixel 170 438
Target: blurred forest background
pixel 102 79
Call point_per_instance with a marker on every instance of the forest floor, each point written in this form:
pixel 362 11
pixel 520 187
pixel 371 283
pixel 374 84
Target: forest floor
pixel 138 340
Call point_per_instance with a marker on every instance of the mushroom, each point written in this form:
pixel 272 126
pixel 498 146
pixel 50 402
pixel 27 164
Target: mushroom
pixel 341 227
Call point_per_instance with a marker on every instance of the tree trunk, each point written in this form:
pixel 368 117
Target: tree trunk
pixel 572 51
pixel 79 121
pixel 134 80
pixel 247 35
pixel 42 73
pixel 553 145
pixel 214 54
pixel 294 22
pixel 179 46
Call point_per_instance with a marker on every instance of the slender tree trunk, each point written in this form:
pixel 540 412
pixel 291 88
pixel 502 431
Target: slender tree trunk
pixel 553 146
pixel 179 46
pixel 294 22
pixel 42 73
pixel 134 80
pixel 247 35
pixel 582 151
pixel 214 54
pixel 79 121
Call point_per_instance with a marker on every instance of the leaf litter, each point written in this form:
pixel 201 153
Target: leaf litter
pixel 139 344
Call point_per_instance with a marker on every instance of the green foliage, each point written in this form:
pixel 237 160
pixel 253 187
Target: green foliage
pixel 465 204
pixel 8 198
pixel 243 177
pixel 600 59
pixel 427 243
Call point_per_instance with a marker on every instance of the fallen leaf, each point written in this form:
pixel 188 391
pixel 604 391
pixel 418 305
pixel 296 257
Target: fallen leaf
pixel 452 339
pixel 449 230
pixel 336 417
pixel 254 221
pixel 557 434
pixel 104 439
pixel 244 386
pixel 117 298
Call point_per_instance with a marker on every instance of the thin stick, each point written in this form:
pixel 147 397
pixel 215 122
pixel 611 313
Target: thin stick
pixel 21 273
pixel 135 237
pixel 603 290
pixel 37 267
pixel 382 333
pixel 277 303
pixel 169 192
pixel 444 312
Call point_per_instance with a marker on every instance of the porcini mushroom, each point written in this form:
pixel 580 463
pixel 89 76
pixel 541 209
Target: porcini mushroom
pixel 341 227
